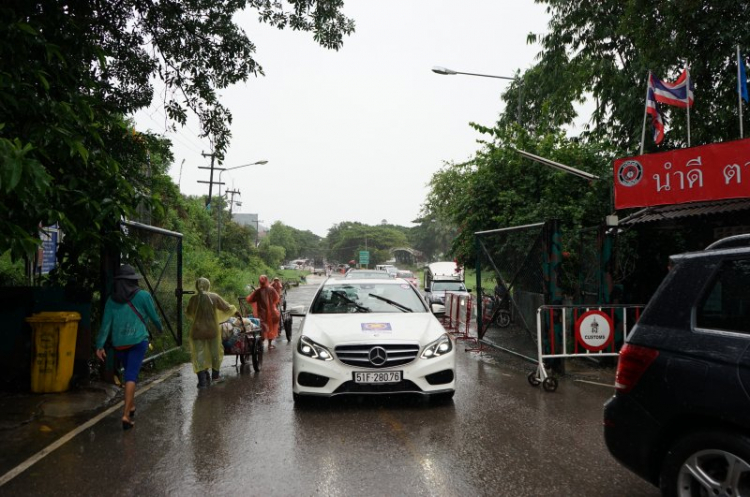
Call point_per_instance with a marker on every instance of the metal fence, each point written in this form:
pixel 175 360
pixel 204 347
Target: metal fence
pixel 160 262
pixel 585 331
pixel 458 312
pixel 520 266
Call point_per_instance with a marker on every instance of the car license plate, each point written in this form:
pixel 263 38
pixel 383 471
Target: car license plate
pixel 377 377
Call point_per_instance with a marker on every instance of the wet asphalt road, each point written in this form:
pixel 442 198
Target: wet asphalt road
pixel 245 437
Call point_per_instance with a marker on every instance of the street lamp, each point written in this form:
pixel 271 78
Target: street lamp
pixel 444 71
pixel 218 214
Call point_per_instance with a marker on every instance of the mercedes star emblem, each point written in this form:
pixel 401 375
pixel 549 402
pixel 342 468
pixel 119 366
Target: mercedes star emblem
pixel 378 356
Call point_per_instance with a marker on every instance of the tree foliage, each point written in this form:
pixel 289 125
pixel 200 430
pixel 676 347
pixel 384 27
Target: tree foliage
pixel 432 237
pixel 72 70
pixel 282 235
pixel 498 188
pixel 345 241
pixel 604 50
pixel 273 255
pixel 601 51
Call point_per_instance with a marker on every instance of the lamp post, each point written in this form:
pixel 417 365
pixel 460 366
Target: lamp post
pixel 450 72
pixel 218 213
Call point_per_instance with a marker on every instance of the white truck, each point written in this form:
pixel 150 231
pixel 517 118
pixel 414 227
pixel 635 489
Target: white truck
pixel 441 277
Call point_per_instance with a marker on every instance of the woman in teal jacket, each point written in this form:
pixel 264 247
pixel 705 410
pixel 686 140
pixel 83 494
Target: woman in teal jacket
pixel 125 315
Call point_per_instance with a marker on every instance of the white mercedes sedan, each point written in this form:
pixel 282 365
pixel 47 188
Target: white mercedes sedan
pixel 375 336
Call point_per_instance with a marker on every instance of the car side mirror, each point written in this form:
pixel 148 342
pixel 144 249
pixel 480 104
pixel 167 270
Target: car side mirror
pixel 298 311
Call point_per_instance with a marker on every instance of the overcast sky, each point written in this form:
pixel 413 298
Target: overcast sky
pixel 356 135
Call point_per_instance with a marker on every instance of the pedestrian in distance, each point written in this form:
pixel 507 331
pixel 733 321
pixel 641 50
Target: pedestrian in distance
pixel 125 316
pixel 276 285
pixel 266 301
pixel 207 310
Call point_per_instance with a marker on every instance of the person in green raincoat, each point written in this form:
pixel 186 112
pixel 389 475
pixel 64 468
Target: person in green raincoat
pixel 207 310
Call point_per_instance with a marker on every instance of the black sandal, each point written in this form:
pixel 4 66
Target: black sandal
pixel 127 424
pixel 132 414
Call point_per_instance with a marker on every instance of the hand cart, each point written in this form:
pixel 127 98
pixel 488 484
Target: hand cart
pixel 248 344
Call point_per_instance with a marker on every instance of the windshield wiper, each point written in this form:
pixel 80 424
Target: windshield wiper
pixel 402 307
pixel 347 299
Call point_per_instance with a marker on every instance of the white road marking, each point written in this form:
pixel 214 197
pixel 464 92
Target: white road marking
pixel 69 436
pixel 608 385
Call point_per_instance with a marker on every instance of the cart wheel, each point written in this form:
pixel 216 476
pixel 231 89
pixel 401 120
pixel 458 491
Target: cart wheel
pixel 534 380
pixel 549 384
pixel 257 353
pixel 288 328
pixel 503 320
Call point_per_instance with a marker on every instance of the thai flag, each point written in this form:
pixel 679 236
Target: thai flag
pixel 653 110
pixel 674 93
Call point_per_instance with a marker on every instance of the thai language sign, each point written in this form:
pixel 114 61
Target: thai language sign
pixel 711 172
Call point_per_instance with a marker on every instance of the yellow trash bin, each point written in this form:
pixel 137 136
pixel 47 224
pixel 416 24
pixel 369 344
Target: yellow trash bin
pixel 53 350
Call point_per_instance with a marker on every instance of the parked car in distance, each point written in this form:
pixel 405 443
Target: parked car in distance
pixel 383 267
pixel 372 337
pixel 366 273
pixel 391 270
pixel 408 276
pixel 680 417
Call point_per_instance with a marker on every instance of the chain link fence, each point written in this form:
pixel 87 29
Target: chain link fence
pixel 159 260
pixel 516 274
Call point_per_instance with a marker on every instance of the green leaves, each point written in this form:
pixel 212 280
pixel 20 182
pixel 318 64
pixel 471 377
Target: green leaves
pixel 70 74
pixel 16 163
pixel 499 188
pixel 604 50
pixel 27 28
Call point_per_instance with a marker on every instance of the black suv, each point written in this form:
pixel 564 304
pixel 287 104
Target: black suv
pixel 680 417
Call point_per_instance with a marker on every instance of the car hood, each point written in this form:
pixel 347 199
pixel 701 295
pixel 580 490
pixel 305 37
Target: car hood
pixel 338 329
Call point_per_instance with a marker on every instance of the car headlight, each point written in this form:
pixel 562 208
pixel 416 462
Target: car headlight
pixel 308 348
pixel 438 348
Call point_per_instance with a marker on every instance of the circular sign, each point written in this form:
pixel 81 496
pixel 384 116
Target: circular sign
pixel 594 330
pixel 630 173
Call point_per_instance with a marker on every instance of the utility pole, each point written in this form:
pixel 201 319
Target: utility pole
pixel 211 179
pixel 257 230
pixel 218 219
pixel 231 202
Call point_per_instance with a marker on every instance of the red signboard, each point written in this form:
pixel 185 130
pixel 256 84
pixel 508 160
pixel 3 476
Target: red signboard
pixel 711 172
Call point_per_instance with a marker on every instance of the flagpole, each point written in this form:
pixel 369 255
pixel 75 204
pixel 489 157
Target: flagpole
pixel 645 112
pixel 687 100
pixel 739 89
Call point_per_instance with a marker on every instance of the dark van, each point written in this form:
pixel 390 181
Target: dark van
pixel 680 417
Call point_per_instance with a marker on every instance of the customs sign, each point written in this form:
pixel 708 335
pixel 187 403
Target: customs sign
pixel 594 331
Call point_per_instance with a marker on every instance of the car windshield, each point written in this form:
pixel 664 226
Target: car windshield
pixel 404 274
pixel 366 297
pixel 366 274
pixel 448 286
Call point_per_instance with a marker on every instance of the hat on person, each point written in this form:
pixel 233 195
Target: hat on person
pixel 127 272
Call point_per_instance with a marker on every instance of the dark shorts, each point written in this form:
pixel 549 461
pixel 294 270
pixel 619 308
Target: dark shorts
pixel 132 359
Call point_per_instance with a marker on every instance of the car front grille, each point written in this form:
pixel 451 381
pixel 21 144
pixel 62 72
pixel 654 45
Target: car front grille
pixel 364 355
